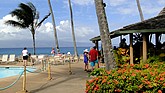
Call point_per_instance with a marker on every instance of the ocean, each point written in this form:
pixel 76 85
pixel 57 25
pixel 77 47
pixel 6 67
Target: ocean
pixel 41 50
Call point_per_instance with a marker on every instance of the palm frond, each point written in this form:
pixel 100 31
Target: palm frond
pixel 32 7
pixel 27 11
pixel 15 24
pixel 18 13
pixel 39 24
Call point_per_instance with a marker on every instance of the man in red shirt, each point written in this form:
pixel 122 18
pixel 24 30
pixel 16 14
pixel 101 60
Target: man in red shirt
pixel 93 56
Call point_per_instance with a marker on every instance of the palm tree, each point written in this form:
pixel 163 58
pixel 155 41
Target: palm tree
pixel 105 36
pixel 27 17
pixel 54 26
pixel 73 35
pixel 140 10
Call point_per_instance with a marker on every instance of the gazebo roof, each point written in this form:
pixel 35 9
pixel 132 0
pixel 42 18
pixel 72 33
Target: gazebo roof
pixel 152 25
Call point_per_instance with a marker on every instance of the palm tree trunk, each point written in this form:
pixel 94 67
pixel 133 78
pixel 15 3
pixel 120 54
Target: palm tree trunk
pixel 34 47
pixel 140 10
pixel 73 35
pixel 105 36
pixel 54 27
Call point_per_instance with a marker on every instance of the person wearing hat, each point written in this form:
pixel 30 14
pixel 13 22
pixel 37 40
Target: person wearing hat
pixel 86 59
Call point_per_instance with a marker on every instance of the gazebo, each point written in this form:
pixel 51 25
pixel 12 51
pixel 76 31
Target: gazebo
pixel 155 25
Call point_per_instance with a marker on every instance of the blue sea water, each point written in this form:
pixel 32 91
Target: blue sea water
pixel 41 50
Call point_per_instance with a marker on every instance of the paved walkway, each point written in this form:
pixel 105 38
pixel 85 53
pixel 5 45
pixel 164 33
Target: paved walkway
pixel 61 81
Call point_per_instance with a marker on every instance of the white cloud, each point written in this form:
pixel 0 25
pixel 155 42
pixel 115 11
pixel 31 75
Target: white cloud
pixel 45 32
pixel 83 2
pixel 162 2
pixel 127 7
pixel 116 2
pixel 8 32
pixel 82 33
pixel 9 17
pixel 148 10
pixel 63 26
pixel 45 28
pixel 126 10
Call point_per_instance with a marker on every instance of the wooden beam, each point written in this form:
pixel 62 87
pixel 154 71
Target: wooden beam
pixel 141 31
pixel 124 32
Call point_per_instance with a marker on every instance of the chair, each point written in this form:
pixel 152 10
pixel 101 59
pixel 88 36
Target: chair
pixel 51 59
pixel 58 59
pixel 4 58
pixel 67 58
pixel 75 59
pixel 81 57
pixel 33 59
pixel 11 58
pixel 41 58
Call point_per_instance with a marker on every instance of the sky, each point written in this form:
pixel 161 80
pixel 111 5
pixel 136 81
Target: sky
pixel 119 13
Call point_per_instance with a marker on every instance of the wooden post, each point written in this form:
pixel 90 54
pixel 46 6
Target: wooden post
pixel 24 82
pixel 70 72
pixel 24 79
pixel 144 48
pixel 49 71
pixel 42 64
pixel 131 48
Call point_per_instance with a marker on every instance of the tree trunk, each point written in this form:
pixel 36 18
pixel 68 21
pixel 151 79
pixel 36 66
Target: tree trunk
pixel 54 27
pixel 72 25
pixel 34 47
pixel 105 36
pixel 140 10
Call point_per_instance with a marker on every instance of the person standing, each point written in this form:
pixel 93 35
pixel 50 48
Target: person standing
pixel 25 56
pixel 93 56
pixel 53 52
pixel 86 59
